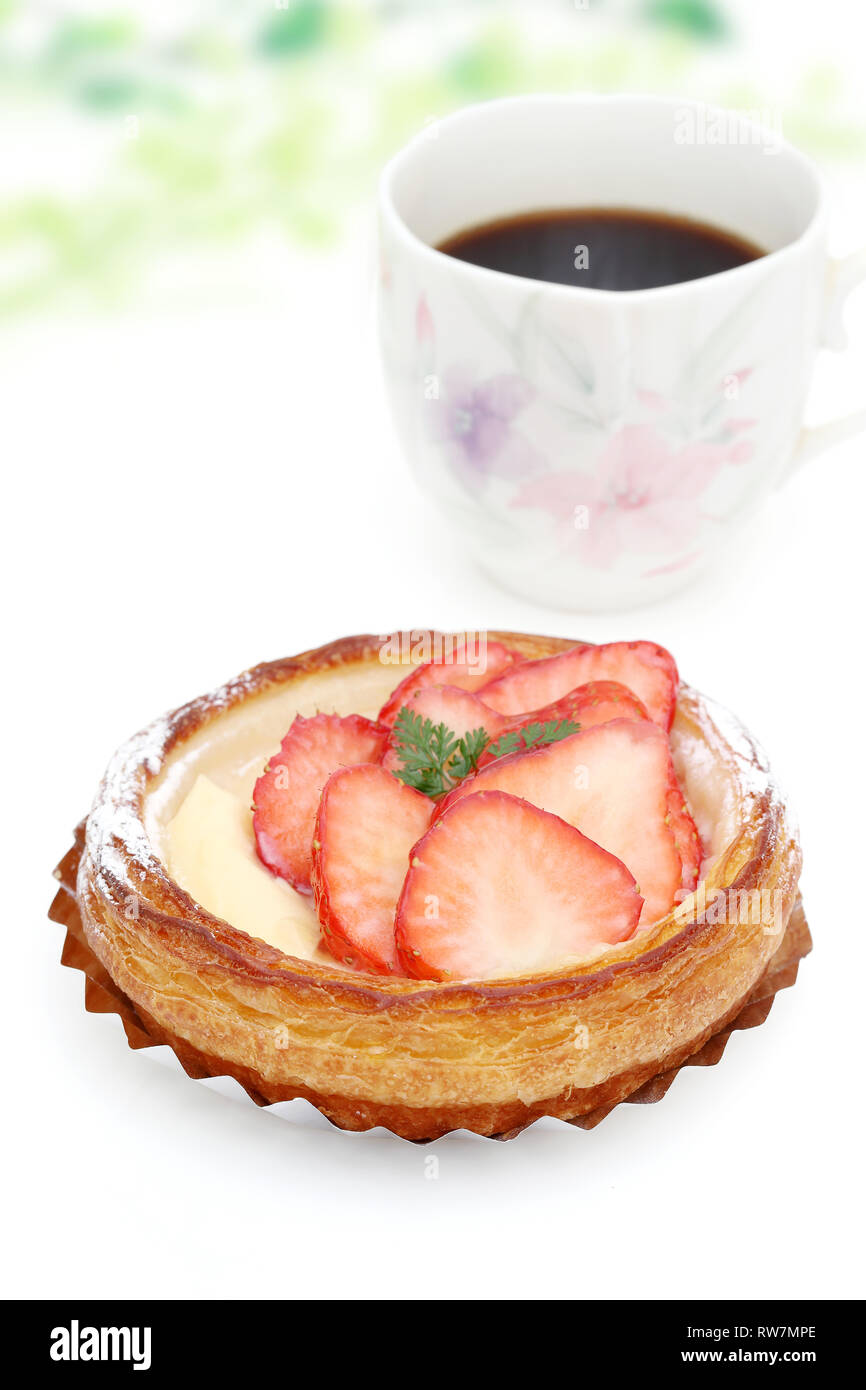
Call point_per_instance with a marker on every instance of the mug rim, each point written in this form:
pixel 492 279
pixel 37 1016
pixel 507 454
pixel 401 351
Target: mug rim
pixel 402 156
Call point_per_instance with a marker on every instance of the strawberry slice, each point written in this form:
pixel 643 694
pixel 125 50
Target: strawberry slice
pixel 459 710
pixel 612 783
pixel 464 675
pixel 648 670
pixel 686 837
pixel 366 825
pixel 286 796
pixel 597 702
pixel 498 887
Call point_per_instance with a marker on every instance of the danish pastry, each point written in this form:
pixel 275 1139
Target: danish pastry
pixel 244 940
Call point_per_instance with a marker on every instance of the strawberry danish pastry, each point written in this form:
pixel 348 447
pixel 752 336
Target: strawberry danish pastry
pixel 464 892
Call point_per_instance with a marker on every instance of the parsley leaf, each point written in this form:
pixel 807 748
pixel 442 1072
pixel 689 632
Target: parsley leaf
pixel 434 759
pixel 533 736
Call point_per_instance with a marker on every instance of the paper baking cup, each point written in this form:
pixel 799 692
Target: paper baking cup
pixel 101 996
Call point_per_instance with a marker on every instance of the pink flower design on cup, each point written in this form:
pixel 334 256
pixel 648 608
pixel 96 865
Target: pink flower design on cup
pixel 643 494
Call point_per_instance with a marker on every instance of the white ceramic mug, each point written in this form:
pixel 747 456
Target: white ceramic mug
pixel 595 447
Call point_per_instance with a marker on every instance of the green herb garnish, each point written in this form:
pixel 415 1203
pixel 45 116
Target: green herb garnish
pixel 533 736
pixel 434 758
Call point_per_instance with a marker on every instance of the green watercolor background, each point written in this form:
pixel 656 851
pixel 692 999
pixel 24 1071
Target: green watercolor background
pixel 282 121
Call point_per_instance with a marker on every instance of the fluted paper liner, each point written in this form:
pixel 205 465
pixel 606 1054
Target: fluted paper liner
pixel 101 995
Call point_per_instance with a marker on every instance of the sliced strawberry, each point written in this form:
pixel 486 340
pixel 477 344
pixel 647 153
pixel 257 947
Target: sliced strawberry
pixel 497 887
pixel 365 828
pixel 597 702
pixel 648 670
pixel 611 782
pixel 459 710
pixel 286 796
pixel 465 675
pixel 686 837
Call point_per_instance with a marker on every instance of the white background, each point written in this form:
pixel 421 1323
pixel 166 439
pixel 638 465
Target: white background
pixel 191 491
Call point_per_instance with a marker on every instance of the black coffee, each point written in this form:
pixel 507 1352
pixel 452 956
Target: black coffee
pixel 602 248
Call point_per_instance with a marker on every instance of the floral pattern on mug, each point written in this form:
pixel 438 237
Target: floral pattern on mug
pixel 639 490
pixel 476 422
pixel 643 493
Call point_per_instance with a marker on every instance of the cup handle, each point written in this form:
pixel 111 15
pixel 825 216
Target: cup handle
pixel 842 276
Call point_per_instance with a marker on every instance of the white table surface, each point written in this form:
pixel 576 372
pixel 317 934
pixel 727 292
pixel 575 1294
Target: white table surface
pixel 191 491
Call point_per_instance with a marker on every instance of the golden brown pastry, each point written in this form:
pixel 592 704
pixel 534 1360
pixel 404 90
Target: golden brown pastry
pixel 418 1057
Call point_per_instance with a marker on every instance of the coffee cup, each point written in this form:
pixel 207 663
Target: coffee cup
pixel 594 449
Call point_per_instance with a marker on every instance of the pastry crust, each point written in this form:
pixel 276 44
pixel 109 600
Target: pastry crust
pixel 418 1058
